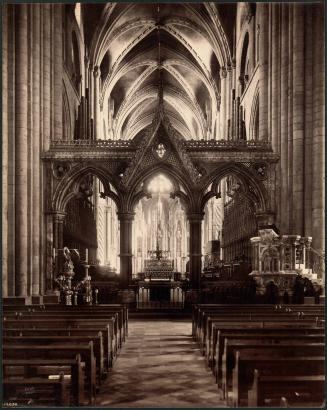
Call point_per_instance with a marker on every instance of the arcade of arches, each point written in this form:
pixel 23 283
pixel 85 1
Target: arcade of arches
pixel 146 135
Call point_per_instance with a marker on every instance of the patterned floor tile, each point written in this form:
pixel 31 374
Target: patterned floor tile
pixel 160 366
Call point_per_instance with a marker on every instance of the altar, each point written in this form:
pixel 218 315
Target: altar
pixel 159 285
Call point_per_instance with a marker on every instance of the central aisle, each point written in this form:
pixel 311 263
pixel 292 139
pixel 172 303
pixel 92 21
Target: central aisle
pixel 160 366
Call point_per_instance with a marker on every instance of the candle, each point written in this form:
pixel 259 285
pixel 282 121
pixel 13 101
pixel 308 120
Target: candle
pixel 86 255
pixel 54 253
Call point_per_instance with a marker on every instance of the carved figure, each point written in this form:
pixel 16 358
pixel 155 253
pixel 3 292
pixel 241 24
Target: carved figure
pixel 68 269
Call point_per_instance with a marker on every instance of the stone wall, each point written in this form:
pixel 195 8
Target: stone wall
pixel 289 75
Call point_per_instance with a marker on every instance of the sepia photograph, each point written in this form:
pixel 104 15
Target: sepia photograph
pixel 163 204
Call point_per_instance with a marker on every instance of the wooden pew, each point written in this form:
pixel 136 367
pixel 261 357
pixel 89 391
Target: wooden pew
pixel 199 311
pixel 270 335
pixel 294 402
pixel 76 324
pixel 205 341
pixel 97 340
pixel 206 338
pixel 257 348
pixel 58 351
pixel 60 309
pixel 48 331
pixel 266 391
pixel 68 323
pixel 217 335
pixel 80 308
pixel 198 308
pixel 36 367
pixel 44 391
pixel 111 319
pixel 270 366
pixel 93 310
pixel 302 323
pixel 118 314
pixel 238 328
pixel 204 312
pixel 264 319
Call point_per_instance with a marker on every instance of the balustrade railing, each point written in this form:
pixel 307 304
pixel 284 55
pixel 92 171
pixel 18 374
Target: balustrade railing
pixel 94 144
pixel 189 145
pixel 144 299
pixel 227 144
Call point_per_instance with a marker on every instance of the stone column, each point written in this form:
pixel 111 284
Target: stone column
pixel 276 98
pixel 57 71
pixel 290 121
pixel 91 88
pixel 318 141
pixel 5 150
pixel 195 222
pixel 223 112
pixel 21 154
pixel 9 158
pixel 275 73
pixel 46 225
pixel 263 10
pixel 283 171
pixel 298 118
pixel 36 211
pixel 58 226
pixel 86 72
pixel 229 100
pixel 46 68
pixel 126 256
pixel 96 109
pixel 308 160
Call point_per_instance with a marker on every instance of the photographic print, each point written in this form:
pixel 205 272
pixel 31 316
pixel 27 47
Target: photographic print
pixel 163 215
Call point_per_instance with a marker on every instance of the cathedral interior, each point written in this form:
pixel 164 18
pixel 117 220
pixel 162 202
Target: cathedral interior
pixel 160 159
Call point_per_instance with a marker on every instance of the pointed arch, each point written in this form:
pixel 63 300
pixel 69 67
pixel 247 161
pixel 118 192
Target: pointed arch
pixel 254 117
pixel 66 116
pixel 68 186
pixel 259 195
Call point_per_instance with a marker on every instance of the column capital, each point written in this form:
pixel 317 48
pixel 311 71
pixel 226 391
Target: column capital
pixel 195 216
pixel 223 72
pixel 58 216
pixel 96 71
pixel 125 216
pixel 86 61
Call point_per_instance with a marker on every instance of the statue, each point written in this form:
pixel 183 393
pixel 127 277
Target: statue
pixel 68 269
pixel 158 252
pixel 65 279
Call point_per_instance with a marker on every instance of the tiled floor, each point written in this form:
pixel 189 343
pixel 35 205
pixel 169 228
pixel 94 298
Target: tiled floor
pixel 160 366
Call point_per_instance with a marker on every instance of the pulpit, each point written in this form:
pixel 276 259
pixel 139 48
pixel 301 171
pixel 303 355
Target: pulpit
pixel 279 260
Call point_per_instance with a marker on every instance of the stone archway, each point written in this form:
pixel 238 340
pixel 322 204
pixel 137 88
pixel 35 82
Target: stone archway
pixel 193 166
pixel 67 186
pixel 237 201
pixel 134 193
pixel 255 179
pixel 64 180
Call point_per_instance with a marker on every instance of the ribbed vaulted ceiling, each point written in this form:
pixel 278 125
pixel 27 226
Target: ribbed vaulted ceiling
pixel 140 48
